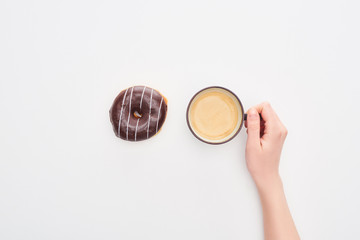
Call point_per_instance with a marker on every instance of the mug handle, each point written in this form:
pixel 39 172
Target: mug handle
pixel 245 117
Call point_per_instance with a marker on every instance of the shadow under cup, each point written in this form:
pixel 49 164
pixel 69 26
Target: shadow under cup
pixel 215 115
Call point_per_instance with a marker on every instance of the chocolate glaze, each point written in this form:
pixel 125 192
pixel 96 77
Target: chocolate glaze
pixel 147 102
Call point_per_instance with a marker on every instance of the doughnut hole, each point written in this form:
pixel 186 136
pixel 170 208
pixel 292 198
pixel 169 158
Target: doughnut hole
pixel 137 113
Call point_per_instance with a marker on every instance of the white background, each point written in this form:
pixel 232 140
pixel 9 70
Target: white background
pixel 64 174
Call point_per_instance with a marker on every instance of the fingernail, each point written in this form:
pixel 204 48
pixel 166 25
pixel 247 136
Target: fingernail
pixel 252 113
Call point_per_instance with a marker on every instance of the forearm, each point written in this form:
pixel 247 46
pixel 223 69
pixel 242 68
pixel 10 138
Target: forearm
pixel 278 223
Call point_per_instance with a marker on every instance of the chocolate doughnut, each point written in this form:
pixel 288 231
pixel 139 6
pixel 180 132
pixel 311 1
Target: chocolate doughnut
pixel 138 113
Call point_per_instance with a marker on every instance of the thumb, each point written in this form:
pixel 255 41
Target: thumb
pixel 253 126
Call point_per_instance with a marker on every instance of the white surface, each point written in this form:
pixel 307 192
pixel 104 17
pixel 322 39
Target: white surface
pixel 64 174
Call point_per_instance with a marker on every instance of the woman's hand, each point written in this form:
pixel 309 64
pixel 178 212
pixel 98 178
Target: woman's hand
pixel 263 150
pixel 264 144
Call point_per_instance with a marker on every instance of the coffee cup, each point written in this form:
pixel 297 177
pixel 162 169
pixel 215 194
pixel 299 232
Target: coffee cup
pixel 215 115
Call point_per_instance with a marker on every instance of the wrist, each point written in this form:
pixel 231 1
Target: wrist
pixel 267 183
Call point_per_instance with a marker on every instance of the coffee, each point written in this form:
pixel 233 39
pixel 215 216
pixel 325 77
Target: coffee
pixel 215 115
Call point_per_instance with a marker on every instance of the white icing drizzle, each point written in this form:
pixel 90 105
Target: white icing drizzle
pixel 121 111
pixel 137 123
pixel 147 132
pixel 127 125
pixel 142 95
pixel 157 121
